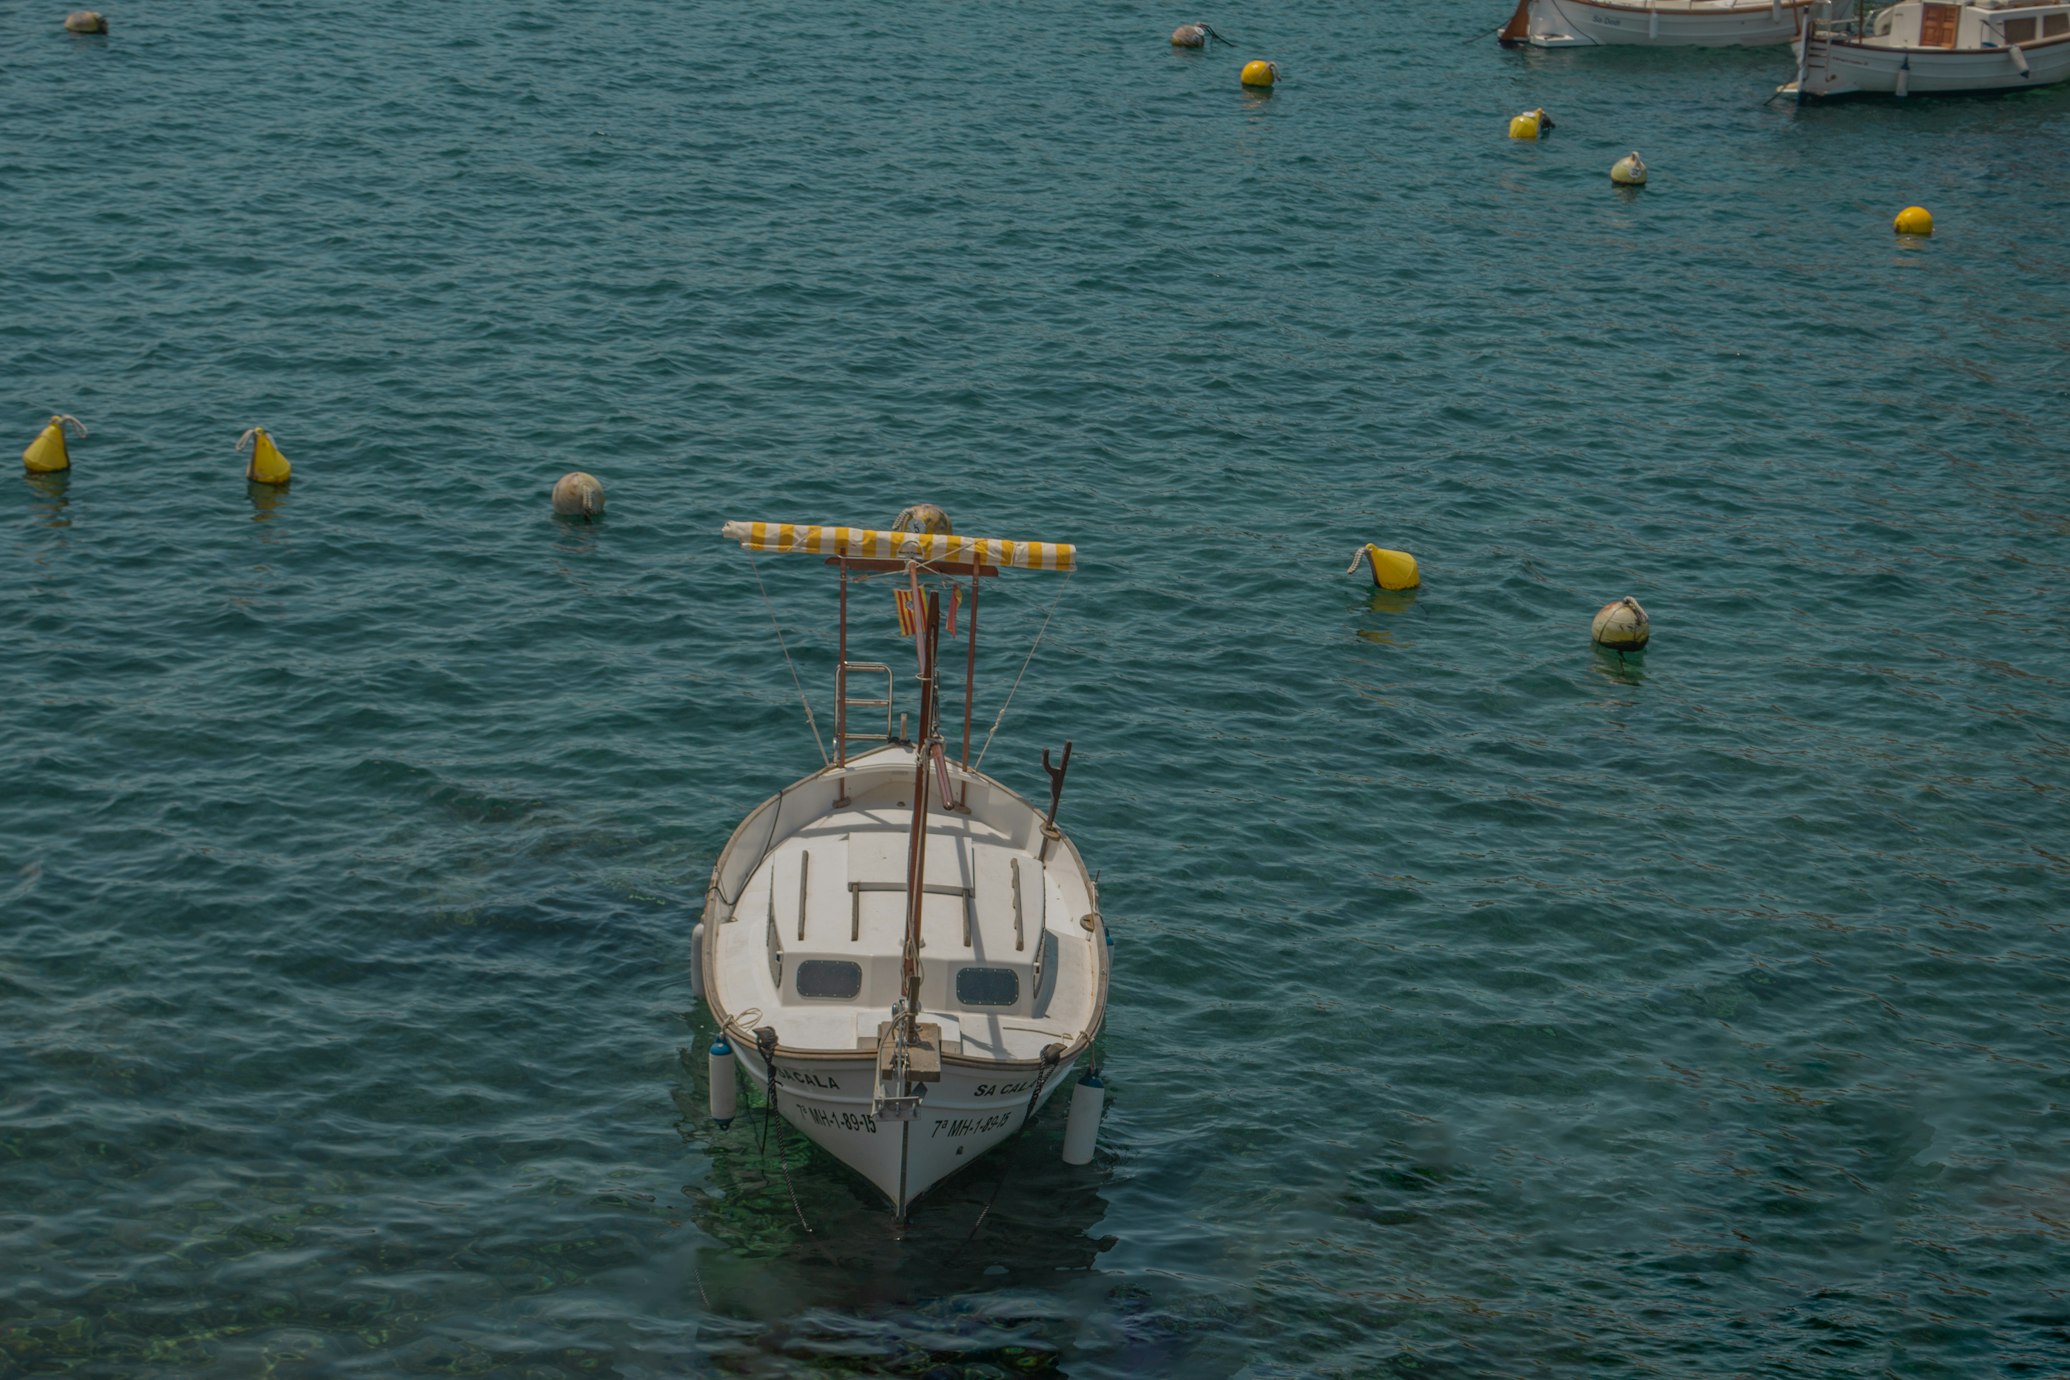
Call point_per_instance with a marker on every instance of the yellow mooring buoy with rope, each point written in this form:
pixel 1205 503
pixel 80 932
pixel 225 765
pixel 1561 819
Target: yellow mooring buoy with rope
pixel 1914 220
pixel 1621 627
pixel 267 465
pixel 47 454
pixel 1629 171
pixel 1532 124
pixel 1391 569
pixel 1259 74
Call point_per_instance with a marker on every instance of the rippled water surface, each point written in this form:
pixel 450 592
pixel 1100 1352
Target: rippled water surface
pixel 1483 1006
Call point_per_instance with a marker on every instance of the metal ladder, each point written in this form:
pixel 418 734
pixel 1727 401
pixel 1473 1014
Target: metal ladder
pixel 842 704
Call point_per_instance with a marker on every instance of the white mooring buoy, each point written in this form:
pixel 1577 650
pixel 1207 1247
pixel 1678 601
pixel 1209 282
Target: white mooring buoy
pixel 725 1087
pixel 576 494
pixel 1088 1100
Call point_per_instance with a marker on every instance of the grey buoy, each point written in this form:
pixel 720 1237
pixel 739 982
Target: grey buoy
pixel 86 22
pixel 1621 626
pixel 926 518
pixel 1195 35
pixel 579 495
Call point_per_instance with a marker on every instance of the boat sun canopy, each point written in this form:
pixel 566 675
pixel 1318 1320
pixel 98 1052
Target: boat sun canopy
pixel 863 543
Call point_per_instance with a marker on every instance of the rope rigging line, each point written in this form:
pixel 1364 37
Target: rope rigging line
pixel 1024 668
pixel 756 566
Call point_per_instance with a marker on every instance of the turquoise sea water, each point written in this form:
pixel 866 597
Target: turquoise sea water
pixel 1483 1006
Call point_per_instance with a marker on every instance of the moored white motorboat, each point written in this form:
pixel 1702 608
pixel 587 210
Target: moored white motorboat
pixel 1660 24
pixel 904 955
pixel 1923 47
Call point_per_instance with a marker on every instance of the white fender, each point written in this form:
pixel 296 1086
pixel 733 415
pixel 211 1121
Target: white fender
pixel 1088 1100
pixel 725 1085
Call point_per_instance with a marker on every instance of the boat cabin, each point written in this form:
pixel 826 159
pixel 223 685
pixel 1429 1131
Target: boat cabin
pixel 1982 25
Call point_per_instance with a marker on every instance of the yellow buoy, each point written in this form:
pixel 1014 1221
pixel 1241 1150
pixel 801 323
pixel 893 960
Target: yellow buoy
pixel 1914 220
pixel 1530 125
pixel 578 495
pixel 268 465
pixel 1629 171
pixel 86 22
pixel 47 454
pixel 1621 627
pixel 1260 73
pixel 1391 569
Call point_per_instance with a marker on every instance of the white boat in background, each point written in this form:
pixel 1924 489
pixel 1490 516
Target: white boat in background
pixel 1660 24
pixel 904 955
pixel 1928 46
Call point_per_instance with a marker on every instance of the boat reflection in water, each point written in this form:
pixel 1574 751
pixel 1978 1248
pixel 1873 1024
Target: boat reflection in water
pixel 858 1292
pixel 1038 1217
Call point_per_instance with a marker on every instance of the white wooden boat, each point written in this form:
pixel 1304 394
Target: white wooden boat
pixel 903 953
pixel 1660 24
pixel 1929 46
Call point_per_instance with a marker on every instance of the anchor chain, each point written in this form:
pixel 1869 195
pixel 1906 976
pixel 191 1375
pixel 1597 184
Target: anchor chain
pixel 765 1045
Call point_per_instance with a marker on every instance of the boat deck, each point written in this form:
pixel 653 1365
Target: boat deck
pixel 813 944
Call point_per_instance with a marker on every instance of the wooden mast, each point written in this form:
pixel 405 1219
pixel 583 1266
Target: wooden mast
pixel 925 635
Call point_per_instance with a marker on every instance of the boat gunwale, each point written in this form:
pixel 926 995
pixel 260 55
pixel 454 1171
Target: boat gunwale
pixel 730 1025
pixel 1700 8
pixel 1995 50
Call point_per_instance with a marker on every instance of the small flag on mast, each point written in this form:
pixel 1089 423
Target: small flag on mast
pixel 908 615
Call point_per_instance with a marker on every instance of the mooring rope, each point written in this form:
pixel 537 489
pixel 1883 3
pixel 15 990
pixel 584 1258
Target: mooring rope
pixel 765 1045
pixel 803 699
pixel 1051 1054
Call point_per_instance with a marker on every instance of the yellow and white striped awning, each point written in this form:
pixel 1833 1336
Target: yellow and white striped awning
pixel 863 543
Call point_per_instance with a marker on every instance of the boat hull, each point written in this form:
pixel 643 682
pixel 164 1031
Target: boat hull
pixel 800 958
pixel 1844 67
pixel 970 1111
pixel 1585 23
